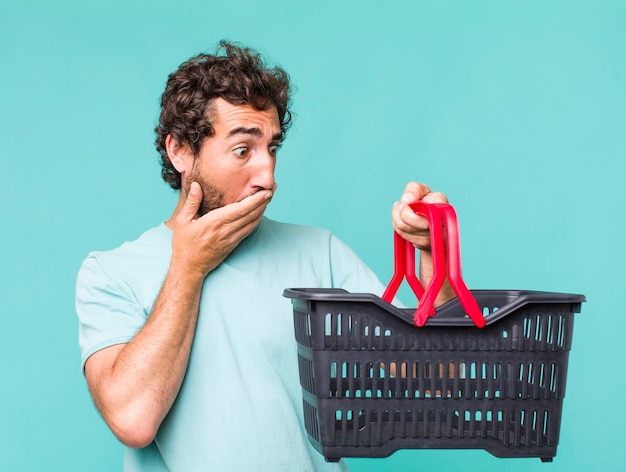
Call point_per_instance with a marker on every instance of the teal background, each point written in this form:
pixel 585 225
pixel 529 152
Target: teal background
pixel 515 109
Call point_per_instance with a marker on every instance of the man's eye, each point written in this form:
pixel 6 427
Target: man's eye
pixel 241 151
pixel 273 149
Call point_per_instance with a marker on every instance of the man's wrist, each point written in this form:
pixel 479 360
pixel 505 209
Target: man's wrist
pixel 188 273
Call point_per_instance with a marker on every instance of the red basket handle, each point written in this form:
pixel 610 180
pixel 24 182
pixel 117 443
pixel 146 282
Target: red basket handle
pixel 438 215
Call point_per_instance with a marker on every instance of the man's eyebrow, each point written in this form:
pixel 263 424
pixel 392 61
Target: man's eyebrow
pixel 254 132
pixel 241 130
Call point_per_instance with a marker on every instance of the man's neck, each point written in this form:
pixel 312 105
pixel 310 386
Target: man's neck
pixel 177 209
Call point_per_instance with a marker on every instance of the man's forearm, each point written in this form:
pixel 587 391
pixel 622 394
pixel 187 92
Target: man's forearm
pixel 135 391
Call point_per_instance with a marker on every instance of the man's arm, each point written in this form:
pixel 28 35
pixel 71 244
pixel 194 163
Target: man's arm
pixel 416 230
pixel 134 385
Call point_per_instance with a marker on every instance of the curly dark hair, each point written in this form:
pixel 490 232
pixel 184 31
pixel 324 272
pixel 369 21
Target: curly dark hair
pixel 238 75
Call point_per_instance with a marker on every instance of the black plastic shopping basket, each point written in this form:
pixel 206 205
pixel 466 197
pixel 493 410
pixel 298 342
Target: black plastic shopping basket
pixel 488 372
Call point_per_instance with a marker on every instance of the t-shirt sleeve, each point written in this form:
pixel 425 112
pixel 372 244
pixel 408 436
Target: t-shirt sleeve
pixel 108 312
pixel 350 272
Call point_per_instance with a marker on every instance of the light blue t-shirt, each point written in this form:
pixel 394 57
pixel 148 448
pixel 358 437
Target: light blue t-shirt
pixel 240 405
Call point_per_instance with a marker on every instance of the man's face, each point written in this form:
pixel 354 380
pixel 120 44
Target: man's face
pixel 239 159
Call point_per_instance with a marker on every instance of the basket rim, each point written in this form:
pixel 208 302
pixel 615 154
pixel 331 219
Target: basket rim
pixel 448 313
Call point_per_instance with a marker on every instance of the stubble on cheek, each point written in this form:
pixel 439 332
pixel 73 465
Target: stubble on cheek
pixel 212 196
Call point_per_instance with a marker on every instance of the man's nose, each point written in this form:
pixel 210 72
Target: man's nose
pixel 264 172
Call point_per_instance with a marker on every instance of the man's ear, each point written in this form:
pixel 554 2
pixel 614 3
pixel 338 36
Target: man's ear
pixel 180 154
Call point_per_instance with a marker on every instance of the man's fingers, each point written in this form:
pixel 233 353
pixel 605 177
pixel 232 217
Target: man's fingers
pixel 406 220
pixel 411 226
pixel 192 202
pixel 234 217
pixel 435 197
pixel 414 191
pixel 246 208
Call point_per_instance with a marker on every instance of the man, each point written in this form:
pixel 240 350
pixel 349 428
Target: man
pixel 187 344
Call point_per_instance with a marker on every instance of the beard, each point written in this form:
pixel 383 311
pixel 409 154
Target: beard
pixel 212 196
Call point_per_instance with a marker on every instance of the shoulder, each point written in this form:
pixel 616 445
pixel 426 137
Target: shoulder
pixel 151 246
pixel 115 289
pixel 154 239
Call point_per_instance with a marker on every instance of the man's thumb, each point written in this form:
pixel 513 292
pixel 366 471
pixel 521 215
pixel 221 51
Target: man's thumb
pixel 194 198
